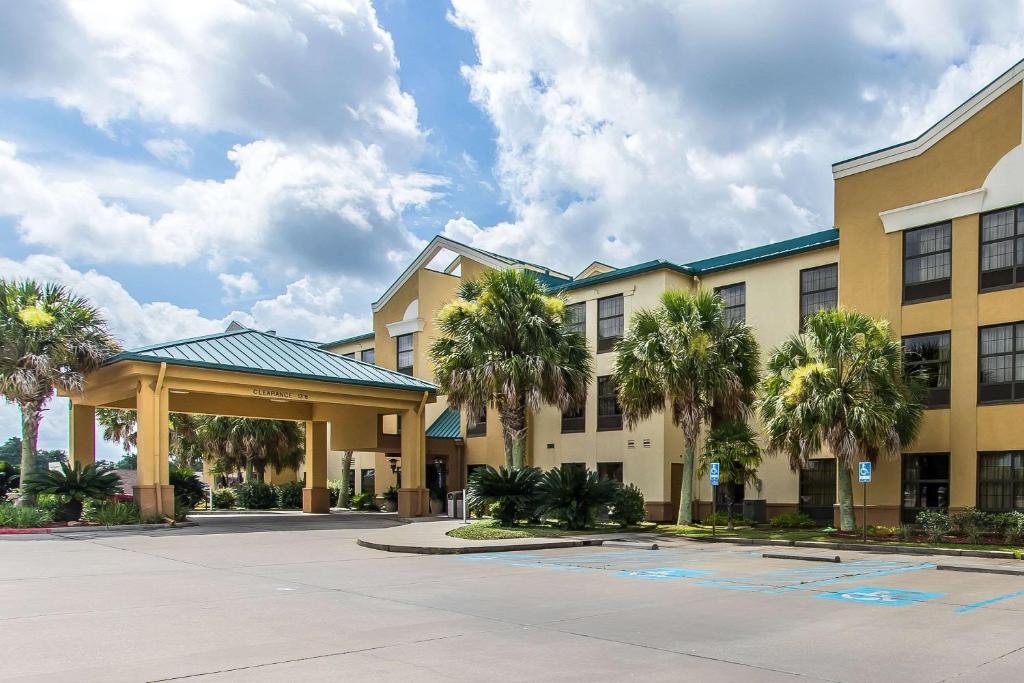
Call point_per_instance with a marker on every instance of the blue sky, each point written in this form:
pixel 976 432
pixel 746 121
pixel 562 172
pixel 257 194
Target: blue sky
pixel 186 164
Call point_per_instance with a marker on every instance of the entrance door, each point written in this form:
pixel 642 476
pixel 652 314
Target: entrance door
pixel 818 490
pixel 676 482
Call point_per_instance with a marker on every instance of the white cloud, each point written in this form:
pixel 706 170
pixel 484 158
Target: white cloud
pixel 173 151
pixel 238 285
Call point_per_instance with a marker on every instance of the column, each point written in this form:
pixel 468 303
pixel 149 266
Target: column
pixel 315 496
pixel 153 492
pixel 82 434
pixel 412 497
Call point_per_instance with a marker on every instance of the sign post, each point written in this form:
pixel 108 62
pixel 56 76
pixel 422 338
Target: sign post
pixel 715 470
pixel 864 474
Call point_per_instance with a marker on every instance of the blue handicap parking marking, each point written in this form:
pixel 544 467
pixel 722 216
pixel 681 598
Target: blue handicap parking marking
pixel 662 573
pixel 990 601
pixel 875 595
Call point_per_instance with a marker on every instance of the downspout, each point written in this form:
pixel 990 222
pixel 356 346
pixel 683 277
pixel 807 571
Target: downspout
pixel 159 439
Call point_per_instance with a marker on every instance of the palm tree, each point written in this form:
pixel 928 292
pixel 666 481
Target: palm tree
pixel 504 342
pixel 684 356
pixel 49 339
pixel 344 494
pixel 237 443
pixel 840 384
pixel 121 426
pixel 733 445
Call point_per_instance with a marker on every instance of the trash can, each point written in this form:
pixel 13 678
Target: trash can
pixel 756 510
pixel 455 504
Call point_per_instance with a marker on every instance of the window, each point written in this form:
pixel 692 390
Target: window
pixel 610 470
pixel 575 421
pixel 818 489
pixel 477 426
pixel 578 466
pixel 1002 248
pixel 1001 481
pixel 925 484
pixel 404 346
pixel 367 481
pixel 367 356
pixel 735 299
pixel 610 312
pixel 930 353
pixel 609 414
pixel 576 317
pixel 927 259
pixel 351 355
pixel 1001 363
pixel 819 289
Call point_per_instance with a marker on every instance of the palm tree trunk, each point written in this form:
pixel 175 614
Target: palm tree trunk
pixel 513 430
pixel 346 467
pixel 248 471
pixel 728 500
pixel 686 489
pixel 31 414
pixel 847 521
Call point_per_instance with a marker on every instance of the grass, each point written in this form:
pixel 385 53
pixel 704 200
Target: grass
pixel 488 530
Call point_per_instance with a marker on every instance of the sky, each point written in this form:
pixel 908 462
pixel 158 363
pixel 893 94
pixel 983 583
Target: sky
pixel 187 164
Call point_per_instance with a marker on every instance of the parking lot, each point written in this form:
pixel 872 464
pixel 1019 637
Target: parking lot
pixel 289 598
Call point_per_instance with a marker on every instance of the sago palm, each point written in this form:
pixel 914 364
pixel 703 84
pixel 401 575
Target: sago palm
pixel 504 342
pixel 75 484
pixel 842 385
pixel 733 445
pixel 49 339
pixel 684 356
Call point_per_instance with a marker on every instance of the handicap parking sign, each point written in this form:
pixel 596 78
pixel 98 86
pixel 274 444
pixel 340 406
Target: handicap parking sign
pixel 873 595
pixel 715 469
pixel 864 470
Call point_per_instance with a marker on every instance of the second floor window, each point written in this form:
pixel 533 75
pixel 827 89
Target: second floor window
pixel 350 354
pixel 1002 248
pixel 576 317
pixel 574 421
pixel 609 414
pixel 1001 363
pixel 735 299
pixel 927 262
pixel 367 356
pixel 404 346
pixel 930 353
pixel 610 321
pixel 819 290
pixel 477 425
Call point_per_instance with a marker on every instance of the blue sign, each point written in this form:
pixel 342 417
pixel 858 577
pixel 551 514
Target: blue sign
pixel 873 595
pixel 864 470
pixel 715 469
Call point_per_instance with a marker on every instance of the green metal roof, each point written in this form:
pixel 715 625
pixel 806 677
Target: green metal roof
pixel 338 342
pixel 448 425
pixel 261 353
pixel 816 240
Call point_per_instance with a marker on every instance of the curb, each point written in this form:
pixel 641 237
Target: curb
pixel 863 547
pixel 806 558
pixel 981 570
pixel 124 528
pixel 464 550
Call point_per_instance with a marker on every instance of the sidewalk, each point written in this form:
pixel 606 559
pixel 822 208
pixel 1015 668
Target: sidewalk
pixel 429 538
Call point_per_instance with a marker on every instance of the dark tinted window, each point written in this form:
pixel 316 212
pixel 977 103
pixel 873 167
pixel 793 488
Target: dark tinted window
pixel 477 425
pixel 1002 248
pixel 367 356
pixel 929 353
pixel 404 346
pixel 1001 481
pixel 819 289
pixel 610 321
pixel 925 484
pixel 927 259
pixel 609 414
pixel 576 317
pixel 735 299
pixel 1001 363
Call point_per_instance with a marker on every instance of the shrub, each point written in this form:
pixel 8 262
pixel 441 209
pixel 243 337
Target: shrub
pixel 935 524
pixel 793 520
pixel 628 506
pixel 181 510
pixel 223 499
pixel 574 496
pixel 906 532
pixel 971 523
pixel 510 490
pixel 111 513
pixel 289 495
pixel 188 488
pixel 363 501
pixel 722 519
pixel 256 495
pixel 13 517
pixel 883 530
pixel 74 484
pixel 1011 526
pixel 8 478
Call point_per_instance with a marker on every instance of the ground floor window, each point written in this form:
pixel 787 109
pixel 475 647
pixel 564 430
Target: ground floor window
pixel 730 493
pixel 818 489
pixel 925 484
pixel 1001 481
pixel 367 481
pixel 581 466
pixel 610 470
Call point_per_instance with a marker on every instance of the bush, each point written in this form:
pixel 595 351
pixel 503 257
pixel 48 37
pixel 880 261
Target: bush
pixel 13 517
pixel 111 513
pixel 511 490
pixel 9 478
pixel 1011 526
pixel 793 520
pixel 935 524
pixel 722 519
pixel 883 530
pixel 363 501
pixel 289 495
pixel 628 506
pixel 256 495
pixel 574 496
pixel 223 499
pixel 74 484
pixel 188 488
pixel 181 510
pixel 970 523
